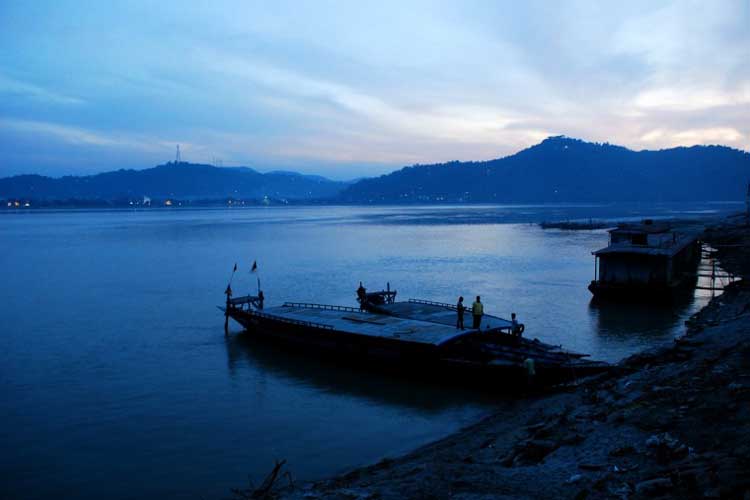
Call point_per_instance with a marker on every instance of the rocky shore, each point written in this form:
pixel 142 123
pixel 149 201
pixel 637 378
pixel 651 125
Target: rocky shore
pixel 670 422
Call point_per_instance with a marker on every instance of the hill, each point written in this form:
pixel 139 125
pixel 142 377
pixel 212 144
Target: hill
pixel 561 169
pixel 173 180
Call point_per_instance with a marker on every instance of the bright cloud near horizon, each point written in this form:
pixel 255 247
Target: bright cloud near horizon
pixel 351 89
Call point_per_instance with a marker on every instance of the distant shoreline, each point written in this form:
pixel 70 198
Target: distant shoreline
pixel 26 204
pixel 558 169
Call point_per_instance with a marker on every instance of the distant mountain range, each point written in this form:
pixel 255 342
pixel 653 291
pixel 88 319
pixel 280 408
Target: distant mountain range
pixel 186 181
pixel 559 169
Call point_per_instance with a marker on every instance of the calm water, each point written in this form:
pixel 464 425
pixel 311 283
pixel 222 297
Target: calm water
pixel 116 380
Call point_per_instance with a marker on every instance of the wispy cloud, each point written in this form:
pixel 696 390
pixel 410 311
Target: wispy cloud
pixel 85 137
pixel 717 135
pixel 73 135
pixel 364 88
pixel 691 99
pixel 13 88
pixel 374 116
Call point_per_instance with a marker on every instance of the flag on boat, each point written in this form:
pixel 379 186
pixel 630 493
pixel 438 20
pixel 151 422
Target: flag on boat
pixel 255 267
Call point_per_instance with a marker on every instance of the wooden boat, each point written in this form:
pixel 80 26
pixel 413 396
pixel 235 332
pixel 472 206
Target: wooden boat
pixel 647 261
pixel 417 337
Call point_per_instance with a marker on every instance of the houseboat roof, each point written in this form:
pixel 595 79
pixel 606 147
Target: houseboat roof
pixel 347 320
pixel 644 227
pixel 668 249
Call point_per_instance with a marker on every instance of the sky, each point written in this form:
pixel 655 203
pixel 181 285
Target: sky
pixel 351 89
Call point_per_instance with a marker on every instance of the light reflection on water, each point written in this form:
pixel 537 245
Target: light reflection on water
pixel 116 379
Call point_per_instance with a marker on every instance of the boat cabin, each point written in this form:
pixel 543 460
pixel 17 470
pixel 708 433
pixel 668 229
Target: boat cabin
pixel 646 255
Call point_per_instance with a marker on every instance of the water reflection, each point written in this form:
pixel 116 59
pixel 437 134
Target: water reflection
pixel 155 370
pixel 616 321
pixel 504 214
pixel 332 376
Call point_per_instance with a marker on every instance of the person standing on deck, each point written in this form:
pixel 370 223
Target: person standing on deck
pixel 515 326
pixel 477 310
pixel 361 296
pixel 460 308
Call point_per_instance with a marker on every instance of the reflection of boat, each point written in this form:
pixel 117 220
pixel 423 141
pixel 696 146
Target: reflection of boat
pixel 645 261
pixel 622 322
pixel 428 394
pixel 416 335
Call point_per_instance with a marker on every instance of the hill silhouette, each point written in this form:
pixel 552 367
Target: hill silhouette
pixel 173 180
pixel 561 169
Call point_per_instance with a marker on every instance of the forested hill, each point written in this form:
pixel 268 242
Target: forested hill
pixel 173 180
pixel 561 169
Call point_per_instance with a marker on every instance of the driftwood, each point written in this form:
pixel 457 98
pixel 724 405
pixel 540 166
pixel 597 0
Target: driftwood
pixel 266 489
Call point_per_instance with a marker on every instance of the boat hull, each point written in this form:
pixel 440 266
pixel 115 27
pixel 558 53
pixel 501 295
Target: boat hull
pixel 421 360
pixel 642 293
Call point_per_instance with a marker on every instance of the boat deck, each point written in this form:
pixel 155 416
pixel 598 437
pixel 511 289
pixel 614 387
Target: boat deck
pixel 444 314
pixel 669 250
pixel 353 321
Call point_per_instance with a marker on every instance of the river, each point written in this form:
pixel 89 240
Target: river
pixel 116 379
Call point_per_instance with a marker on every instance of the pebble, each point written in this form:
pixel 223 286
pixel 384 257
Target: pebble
pixel 735 387
pixel 654 487
pixel 574 478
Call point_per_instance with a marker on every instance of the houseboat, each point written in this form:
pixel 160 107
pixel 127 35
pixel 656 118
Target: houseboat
pixel 649 260
pixel 414 335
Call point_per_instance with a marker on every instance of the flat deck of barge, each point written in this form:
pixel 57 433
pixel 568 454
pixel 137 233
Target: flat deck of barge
pixel 440 313
pixel 349 320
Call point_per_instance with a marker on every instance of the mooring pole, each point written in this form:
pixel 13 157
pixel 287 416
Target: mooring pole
pixel 228 293
pixel 226 318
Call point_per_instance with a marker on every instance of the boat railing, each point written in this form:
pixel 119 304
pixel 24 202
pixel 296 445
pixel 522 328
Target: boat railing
pixel 433 303
pixel 245 299
pixel 327 307
pixel 274 317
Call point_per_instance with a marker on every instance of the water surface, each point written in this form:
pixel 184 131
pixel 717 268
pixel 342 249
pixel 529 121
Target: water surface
pixel 117 381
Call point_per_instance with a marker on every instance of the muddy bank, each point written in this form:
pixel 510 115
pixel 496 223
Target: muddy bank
pixel 673 421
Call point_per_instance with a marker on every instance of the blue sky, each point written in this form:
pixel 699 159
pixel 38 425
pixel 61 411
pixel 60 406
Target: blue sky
pixel 350 89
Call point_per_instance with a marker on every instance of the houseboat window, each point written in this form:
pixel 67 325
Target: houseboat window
pixel 639 239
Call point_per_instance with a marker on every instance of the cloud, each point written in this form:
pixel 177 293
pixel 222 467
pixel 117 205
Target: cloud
pixel 72 135
pixel 17 88
pixel 691 99
pixel 365 88
pixel 455 122
pixel 84 137
pixel 718 135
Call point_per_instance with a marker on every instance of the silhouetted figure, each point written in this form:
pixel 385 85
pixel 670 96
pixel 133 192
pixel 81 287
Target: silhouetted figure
pixel 515 327
pixel 361 296
pixel 477 310
pixel 261 298
pixel 460 308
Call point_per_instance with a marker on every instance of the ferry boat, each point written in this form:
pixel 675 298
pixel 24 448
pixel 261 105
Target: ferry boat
pixel 415 335
pixel 645 261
